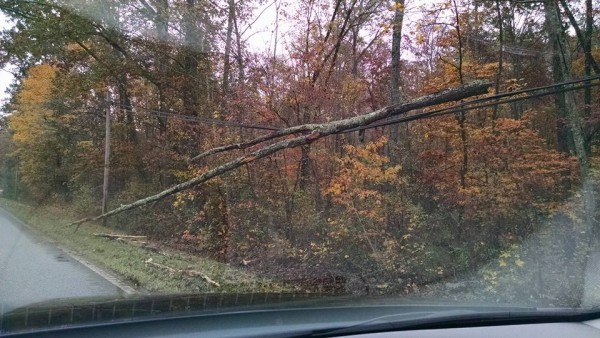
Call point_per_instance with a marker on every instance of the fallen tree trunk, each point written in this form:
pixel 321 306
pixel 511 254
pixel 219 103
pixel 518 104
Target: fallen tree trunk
pixel 317 131
pixel 394 110
pixel 261 139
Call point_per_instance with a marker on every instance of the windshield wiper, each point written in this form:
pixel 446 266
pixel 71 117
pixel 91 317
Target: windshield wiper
pixel 456 319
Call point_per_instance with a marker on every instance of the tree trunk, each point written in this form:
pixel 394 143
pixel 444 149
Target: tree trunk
pixel 228 39
pixel 239 55
pixel 561 64
pixel 500 55
pixel 125 106
pixel 396 82
pixel 554 30
pixel 162 32
pixel 304 168
pixel 585 40
pixel 589 28
pixel 191 57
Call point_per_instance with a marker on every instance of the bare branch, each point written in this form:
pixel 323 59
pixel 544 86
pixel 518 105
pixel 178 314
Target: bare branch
pixel 317 131
pixel 264 138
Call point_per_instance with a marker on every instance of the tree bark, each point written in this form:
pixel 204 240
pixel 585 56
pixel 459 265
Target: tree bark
pixel 589 29
pixel 162 32
pixel 396 44
pixel 396 82
pixel 557 35
pixel 239 55
pixel 585 40
pixel 191 57
pixel 228 41
pixel 554 31
pixel 500 56
pixel 126 108
pixel 571 112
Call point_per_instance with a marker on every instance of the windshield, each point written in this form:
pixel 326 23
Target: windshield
pixel 409 152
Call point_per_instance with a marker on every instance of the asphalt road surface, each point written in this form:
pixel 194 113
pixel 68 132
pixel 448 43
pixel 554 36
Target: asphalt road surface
pixel 33 270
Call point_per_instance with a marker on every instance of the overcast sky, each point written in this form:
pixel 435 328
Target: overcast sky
pixel 5 76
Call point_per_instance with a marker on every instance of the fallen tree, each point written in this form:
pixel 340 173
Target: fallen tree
pixel 312 132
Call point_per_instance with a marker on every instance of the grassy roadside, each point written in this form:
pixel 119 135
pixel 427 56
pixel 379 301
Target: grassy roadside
pixel 128 262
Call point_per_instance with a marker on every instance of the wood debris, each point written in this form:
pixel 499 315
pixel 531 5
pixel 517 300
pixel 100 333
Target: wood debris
pixel 120 237
pixel 185 272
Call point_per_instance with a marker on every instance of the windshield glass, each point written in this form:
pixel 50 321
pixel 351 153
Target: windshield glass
pixel 407 151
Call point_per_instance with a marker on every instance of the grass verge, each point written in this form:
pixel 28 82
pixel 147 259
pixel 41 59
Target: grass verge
pixel 128 261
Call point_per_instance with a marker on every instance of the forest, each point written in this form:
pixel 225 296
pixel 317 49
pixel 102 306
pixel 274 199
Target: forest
pixel 387 144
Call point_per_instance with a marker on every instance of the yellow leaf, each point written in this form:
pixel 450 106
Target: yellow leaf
pixel 519 263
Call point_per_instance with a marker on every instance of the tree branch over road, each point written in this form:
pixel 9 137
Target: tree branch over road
pixel 317 131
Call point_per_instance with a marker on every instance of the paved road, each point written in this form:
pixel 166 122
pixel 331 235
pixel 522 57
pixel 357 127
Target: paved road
pixel 33 270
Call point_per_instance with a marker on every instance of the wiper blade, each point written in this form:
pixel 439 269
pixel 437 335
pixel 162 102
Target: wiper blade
pixel 455 319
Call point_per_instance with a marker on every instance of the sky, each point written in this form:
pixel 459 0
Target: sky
pixel 6 76
pixel 6 79
pixel 260 34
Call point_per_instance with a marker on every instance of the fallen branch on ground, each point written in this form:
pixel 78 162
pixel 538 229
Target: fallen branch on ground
pixel 195 273
pixel 317 131
pixel 139 241
pixel 171 270
pixel 136 242
pixel 115 236
pixel 187 272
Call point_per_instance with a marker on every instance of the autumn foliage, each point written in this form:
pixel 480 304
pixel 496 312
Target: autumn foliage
pixel 391 208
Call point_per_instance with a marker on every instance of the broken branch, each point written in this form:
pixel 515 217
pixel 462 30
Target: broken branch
pixel 318 131
pixel 189 273
pixel 264 138
pixel 194 273
pixel 115 236
pixel 394 110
